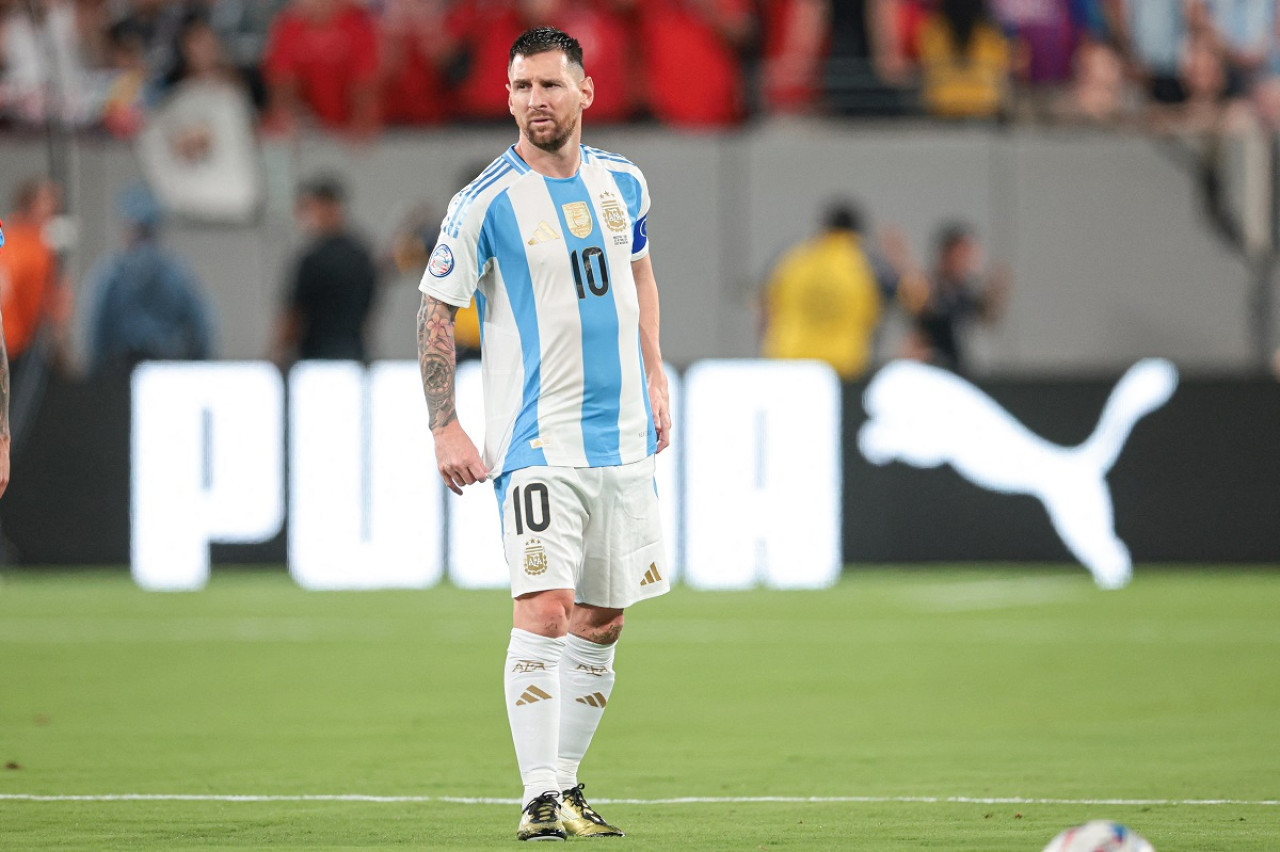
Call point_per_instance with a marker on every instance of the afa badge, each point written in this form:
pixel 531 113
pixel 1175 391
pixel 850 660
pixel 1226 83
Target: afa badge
pixel 615 215
pixel 441 262
pixel 577 216
pixel 535 558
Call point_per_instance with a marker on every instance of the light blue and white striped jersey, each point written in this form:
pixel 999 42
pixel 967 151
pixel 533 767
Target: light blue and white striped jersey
pixel 549 262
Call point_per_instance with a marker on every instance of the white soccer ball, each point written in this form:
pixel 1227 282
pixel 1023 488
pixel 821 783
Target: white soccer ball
pixel 1100 835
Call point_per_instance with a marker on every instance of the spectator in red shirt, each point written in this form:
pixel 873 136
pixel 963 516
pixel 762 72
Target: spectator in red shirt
pixel 416 49
pixel 600 26
pixel 896 26
pixel 322 56
pixel 796 35
pixel 488 27
pixel 692 59
pixel 484 31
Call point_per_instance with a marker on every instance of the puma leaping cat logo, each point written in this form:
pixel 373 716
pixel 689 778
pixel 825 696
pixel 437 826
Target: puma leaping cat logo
pixel 926 417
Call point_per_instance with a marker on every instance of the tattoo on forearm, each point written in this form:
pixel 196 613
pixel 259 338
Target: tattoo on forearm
pixel 437 360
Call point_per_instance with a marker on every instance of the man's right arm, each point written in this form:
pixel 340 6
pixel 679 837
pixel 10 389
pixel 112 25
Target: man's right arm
pixel 456 456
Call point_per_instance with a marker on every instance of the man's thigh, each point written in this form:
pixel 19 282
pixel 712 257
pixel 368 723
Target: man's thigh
pixel 543 520
pixel 624 555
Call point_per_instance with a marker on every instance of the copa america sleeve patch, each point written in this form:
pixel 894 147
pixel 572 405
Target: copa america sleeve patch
pixel 640 234
pixel 441 262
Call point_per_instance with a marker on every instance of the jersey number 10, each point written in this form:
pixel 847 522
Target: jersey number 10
pixel 596 254
pixel 535 516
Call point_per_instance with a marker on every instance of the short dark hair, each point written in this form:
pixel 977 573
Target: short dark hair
pixel 843 216
pixel 544 39
pixel 952 234
pixel 323 187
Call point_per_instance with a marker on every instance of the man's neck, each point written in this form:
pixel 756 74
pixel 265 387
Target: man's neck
pixel 562 163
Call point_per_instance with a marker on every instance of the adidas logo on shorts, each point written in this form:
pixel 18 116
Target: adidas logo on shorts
pixel 652 575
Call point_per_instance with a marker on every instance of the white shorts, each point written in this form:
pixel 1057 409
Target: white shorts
pixel 595 530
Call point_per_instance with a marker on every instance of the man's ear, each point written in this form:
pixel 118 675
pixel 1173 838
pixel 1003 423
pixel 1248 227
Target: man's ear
pixel 588 89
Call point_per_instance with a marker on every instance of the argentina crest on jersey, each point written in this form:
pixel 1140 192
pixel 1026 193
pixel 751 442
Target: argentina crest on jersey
pixel 615 215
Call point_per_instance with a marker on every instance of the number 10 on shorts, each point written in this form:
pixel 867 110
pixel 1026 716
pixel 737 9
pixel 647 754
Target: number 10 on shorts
pixel 531 505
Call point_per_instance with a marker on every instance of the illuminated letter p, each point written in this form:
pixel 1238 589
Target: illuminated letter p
pixel 207 459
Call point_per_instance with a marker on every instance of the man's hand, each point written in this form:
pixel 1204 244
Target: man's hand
pixel 456 457
pixel 660 404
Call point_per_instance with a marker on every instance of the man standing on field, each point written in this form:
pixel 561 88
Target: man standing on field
pixel 551 240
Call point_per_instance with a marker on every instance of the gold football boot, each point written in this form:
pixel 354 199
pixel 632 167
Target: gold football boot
pixel 580 819
pixel 541 820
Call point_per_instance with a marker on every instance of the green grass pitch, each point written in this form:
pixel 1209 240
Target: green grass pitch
pixel 911 694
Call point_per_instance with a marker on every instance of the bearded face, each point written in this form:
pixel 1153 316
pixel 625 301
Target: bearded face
pixel 547 131
pixel 546 95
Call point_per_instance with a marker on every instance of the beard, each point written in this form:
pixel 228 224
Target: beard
pixel 550 137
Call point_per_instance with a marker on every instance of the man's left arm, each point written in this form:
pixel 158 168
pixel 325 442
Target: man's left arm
pixel 647 295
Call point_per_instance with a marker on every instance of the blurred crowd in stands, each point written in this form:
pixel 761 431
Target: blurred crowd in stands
pixel 356 66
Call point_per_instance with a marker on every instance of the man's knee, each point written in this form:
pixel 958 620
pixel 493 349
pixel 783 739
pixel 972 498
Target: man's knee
pixel 544 613
pixel 597 624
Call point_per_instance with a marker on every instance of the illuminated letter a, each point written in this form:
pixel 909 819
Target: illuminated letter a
pixel 762 474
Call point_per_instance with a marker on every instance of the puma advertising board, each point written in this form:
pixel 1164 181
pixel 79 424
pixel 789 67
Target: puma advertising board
pixel 926 417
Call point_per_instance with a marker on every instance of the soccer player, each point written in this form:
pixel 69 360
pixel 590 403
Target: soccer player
pixel 551 240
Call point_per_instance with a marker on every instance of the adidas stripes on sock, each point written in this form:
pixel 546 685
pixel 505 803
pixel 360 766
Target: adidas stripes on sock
pixel 586 679
pixel 532 685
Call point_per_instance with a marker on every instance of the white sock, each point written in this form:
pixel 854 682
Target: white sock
pixel 532 683
pixel 586 680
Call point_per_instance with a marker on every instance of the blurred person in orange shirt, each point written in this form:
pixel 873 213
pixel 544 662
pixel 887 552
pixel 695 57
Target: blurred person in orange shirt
pixel 33 294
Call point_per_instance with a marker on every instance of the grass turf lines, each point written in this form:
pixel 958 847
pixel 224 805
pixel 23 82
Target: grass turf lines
pixel 948 709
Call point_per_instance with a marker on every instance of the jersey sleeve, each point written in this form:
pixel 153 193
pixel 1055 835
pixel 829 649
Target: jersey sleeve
pixel 635 191
pixel 453 271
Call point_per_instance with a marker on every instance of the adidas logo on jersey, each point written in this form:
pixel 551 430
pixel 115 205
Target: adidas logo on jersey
pixel 652 575
pixel 543 234
pixel 532 695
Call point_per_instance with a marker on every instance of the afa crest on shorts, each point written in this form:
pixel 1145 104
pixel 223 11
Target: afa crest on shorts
pixel 535 558
pixel 577 216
